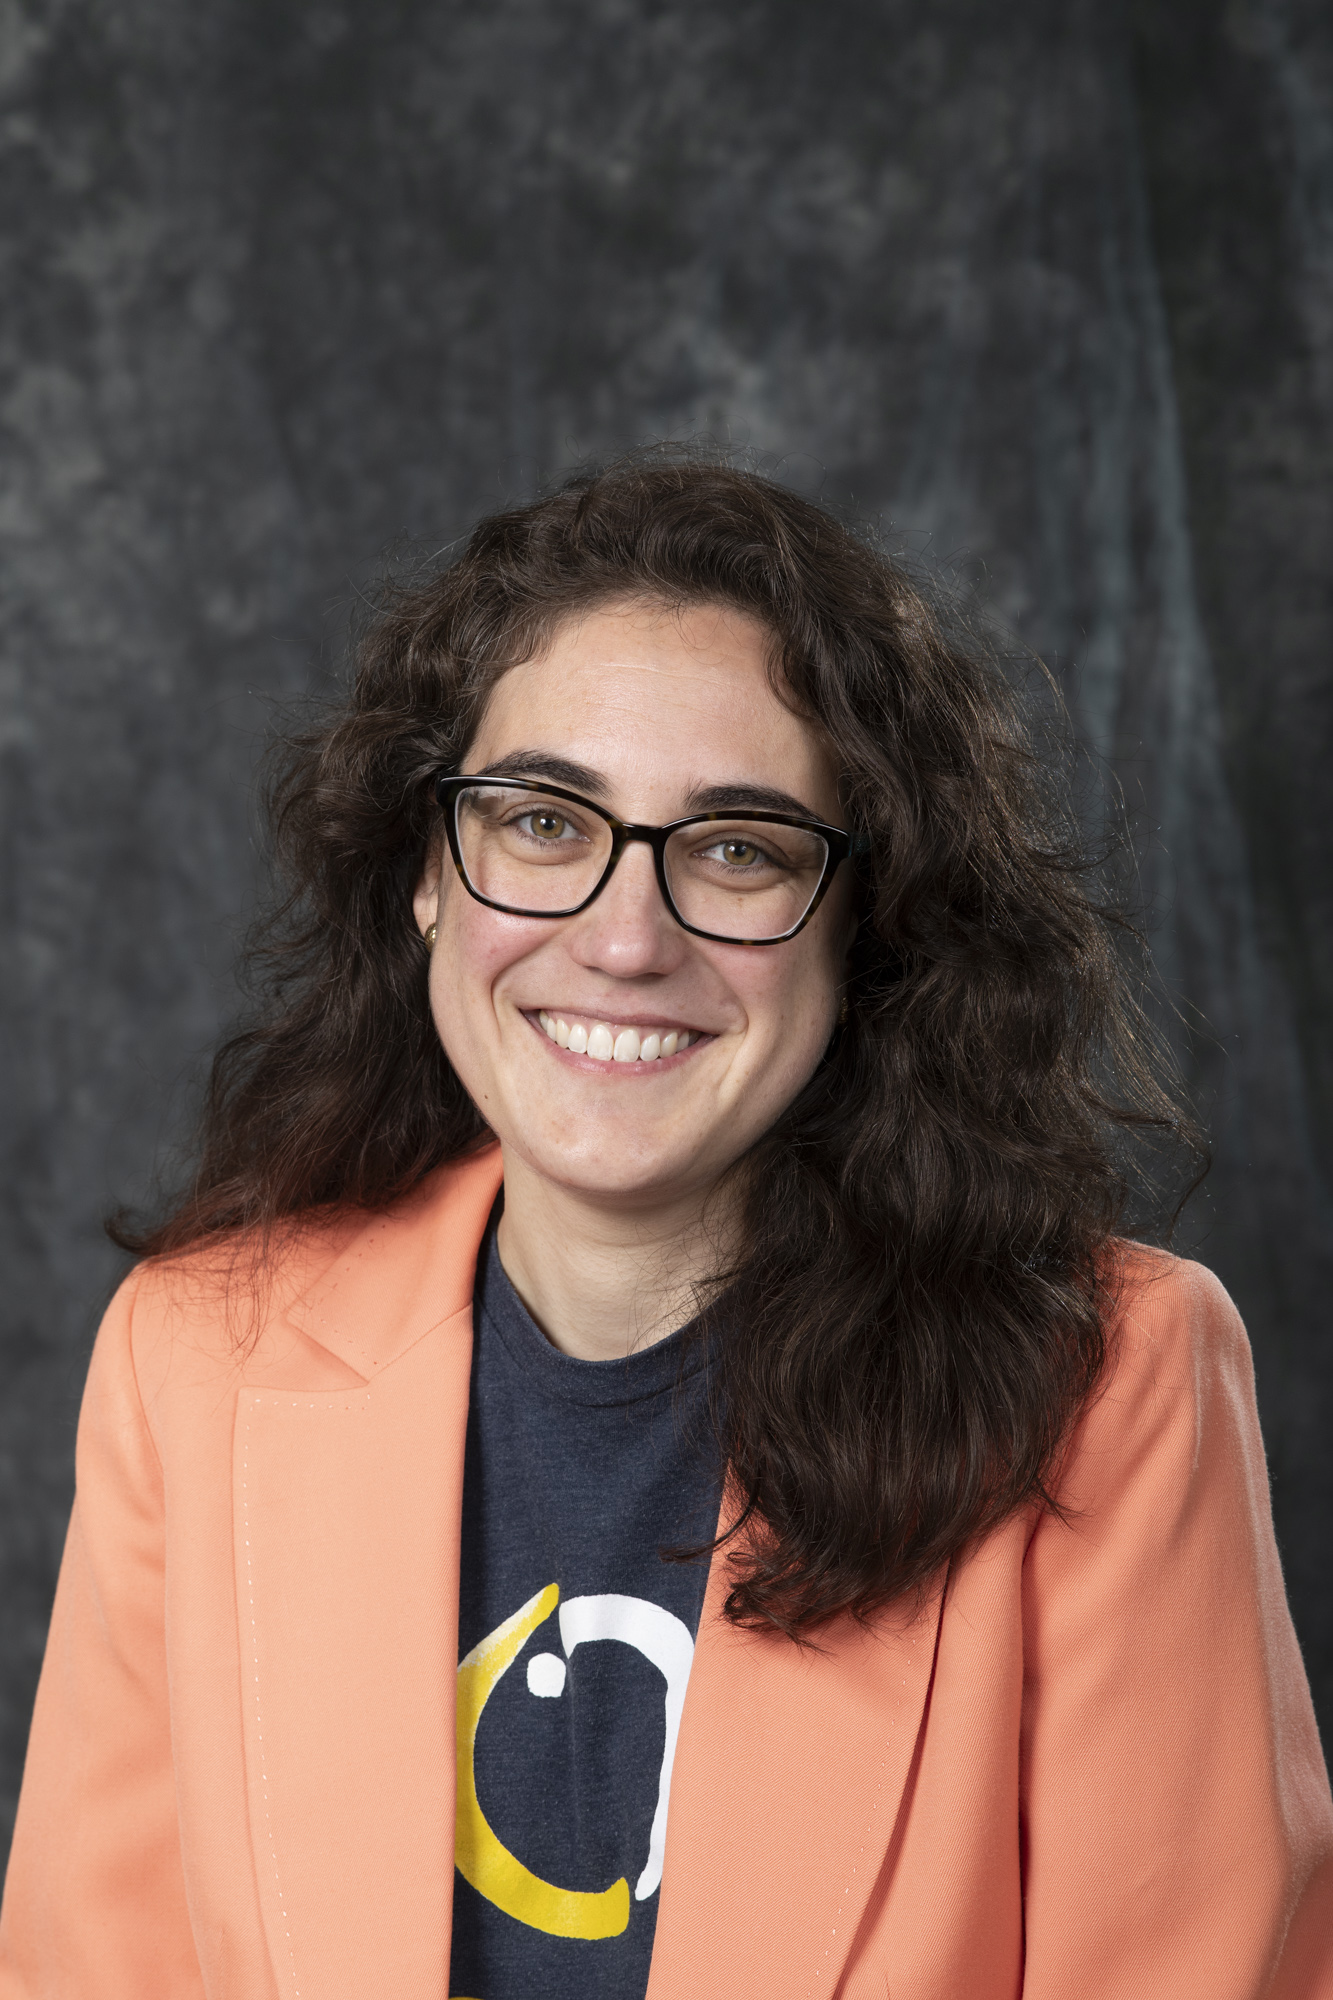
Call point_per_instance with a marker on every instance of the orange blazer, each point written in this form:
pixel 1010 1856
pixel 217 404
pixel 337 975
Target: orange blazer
pixel 1088 1770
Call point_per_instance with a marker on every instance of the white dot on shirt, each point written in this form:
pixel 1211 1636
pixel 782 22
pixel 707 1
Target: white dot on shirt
pixel 546 1675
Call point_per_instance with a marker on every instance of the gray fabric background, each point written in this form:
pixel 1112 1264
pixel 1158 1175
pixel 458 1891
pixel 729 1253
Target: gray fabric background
pixel 1048 286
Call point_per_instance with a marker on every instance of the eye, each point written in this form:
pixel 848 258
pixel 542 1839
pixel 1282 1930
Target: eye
pixel 545 824
pixel 737 854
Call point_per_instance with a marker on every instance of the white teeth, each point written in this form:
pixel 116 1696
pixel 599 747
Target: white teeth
pixel 604 1045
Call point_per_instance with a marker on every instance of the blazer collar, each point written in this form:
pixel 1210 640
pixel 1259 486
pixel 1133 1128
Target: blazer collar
pixel 406 1272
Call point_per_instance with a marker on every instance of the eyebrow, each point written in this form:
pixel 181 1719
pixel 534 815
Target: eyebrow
pixel 542 764
pixel 741 796
pixel 758 798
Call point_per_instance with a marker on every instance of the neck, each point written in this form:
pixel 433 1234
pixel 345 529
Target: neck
pixel 602 1281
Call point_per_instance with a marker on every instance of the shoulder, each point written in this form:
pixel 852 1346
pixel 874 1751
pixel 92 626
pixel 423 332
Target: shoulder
pixel 227 1292
pixel 324 1291
pixel 1175 1405
pixel 1171 1328
pixel 1159 1302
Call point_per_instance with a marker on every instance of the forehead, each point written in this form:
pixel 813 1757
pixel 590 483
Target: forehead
pixel 659 699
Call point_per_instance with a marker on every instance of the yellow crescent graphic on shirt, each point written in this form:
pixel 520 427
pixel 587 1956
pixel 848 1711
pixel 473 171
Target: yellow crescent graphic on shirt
pixel 482 1857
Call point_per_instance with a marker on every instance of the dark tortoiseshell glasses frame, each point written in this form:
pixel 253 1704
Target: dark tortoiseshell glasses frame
pixel 840 846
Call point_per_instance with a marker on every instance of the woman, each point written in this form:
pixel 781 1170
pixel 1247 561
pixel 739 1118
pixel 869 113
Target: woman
pixel 656 1255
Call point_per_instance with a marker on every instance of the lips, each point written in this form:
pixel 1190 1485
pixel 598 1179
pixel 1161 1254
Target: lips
pixel 605 1041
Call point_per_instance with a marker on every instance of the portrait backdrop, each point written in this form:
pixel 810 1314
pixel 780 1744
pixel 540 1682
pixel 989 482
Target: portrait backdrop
pixel 1046 291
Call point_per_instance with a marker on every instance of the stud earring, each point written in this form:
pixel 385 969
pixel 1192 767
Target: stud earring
pixel 429 938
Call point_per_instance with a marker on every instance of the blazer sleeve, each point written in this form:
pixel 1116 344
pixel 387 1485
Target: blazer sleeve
pixel 95 1905
pixel 1177 1827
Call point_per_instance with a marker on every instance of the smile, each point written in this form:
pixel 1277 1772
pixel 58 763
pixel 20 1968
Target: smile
pixel 605 1042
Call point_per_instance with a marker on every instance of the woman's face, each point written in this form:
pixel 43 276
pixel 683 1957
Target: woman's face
pixel 646 710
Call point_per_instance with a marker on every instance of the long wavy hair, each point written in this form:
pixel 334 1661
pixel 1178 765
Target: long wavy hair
pixel 925 1269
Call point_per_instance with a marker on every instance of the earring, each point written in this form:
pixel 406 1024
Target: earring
pixel 429 938
pixel 842 1012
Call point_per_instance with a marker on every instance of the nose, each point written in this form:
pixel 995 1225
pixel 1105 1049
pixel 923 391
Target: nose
pixel 629 933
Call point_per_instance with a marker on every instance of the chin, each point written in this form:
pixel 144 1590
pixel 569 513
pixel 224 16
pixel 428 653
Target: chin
pixel 601 1167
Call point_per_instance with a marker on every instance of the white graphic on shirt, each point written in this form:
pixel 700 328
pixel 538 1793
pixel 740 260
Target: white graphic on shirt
pixel 546 1676
pixel 665 1641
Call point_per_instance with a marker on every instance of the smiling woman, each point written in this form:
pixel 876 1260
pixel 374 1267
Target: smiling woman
pixel 670 1226
pixel 656 949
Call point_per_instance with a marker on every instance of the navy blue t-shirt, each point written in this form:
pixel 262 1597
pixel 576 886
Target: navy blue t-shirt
pixel 576 1640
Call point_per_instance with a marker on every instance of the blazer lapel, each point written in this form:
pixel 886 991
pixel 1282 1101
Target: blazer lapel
pixel 347 1514
pixel 789 1775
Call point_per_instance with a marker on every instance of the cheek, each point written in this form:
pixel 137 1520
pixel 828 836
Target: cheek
pixel 463 968
pixel 791 1001
pixel 474 950
pixel 476 943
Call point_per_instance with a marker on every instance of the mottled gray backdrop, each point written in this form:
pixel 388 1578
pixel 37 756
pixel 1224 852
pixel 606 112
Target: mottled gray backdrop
pixel 1048 286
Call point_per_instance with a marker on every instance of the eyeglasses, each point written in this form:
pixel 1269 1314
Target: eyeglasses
pixel 541 851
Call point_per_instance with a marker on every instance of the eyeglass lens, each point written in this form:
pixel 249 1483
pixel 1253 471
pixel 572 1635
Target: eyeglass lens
pixel 543 856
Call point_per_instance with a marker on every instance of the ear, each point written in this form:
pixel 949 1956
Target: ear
pixel 426 898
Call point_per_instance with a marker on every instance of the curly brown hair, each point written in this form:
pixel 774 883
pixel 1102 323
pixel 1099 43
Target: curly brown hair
pixel 916 1317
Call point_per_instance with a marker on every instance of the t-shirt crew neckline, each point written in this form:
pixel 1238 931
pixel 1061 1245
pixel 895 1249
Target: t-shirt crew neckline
pixel 630 1378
